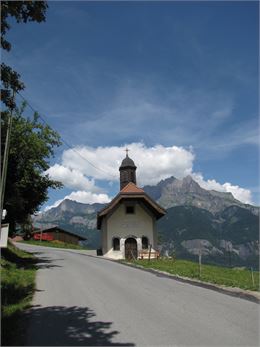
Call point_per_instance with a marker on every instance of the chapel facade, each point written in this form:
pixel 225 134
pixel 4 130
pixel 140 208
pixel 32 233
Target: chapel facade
pixel 128 222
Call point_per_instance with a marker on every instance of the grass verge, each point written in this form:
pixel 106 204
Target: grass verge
pixel 18 271
pixel 54 244
pixel 231 277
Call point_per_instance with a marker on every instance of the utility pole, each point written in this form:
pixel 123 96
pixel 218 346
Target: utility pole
pixel 6 154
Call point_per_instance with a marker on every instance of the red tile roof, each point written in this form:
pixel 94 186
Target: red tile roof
pixel 131 191
pixel 131 188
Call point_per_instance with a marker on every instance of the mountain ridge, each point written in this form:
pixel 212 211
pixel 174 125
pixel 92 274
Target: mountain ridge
pixel 194 216
pixel 174 192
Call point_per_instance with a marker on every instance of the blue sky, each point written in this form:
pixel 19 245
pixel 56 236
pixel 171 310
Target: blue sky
pixel 175 81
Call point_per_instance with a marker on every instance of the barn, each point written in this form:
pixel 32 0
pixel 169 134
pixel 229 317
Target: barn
pixel 57 233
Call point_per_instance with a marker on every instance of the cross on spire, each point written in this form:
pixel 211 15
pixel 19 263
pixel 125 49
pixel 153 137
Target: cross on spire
pixel 127 150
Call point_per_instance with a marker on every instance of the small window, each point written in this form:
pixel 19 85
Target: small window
pixel 129 209
pixel 116 244
pixel 144 242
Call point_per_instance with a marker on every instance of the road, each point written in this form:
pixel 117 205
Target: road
pixel 83 300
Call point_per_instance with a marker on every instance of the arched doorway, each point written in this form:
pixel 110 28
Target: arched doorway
pixel 130 248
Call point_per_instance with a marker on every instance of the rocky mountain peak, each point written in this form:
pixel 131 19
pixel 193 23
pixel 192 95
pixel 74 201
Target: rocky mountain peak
pixel 189 184
pixel 67 205
pixel 166 181
pixel 187 192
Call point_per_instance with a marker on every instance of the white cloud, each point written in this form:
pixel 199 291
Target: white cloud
pixel 52 206
pixel 88 197
pixel 239 193
pixel 153 164
pixel 71 178
pixel 83 197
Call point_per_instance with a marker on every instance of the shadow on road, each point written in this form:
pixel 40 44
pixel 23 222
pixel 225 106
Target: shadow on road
pixel 43 262
pixel 67 326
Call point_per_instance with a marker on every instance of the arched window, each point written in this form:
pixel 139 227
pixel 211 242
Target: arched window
pixel 144 242
pixel 116 244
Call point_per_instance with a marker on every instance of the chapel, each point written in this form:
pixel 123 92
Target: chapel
pixel 128 222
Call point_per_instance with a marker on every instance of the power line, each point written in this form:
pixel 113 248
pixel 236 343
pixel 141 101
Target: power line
pixel 64 141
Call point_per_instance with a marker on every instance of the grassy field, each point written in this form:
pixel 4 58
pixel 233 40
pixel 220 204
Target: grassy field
pixel 18 270
pixel 232 277
pixel 55 244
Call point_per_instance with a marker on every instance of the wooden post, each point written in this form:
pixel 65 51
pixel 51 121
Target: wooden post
pixel 200 263
pixel 229 254
pixel 252 275
pixel 41 235
pixel 225 251
pixel 150 248
pixel 200 255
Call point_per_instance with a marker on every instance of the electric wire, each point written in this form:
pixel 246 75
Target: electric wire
pixel 62 139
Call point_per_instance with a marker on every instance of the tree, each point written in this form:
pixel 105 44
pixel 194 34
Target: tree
pixel 31 142
pixel 22 12
pixel 31 146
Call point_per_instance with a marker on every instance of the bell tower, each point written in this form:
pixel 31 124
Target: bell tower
pixel 127 171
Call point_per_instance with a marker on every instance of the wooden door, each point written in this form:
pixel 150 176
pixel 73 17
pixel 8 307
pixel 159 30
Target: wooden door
pixel 130 248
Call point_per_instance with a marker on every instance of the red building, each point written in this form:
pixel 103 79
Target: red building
pixel 57 233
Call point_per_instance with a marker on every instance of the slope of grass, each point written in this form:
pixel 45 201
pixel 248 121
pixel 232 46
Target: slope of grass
pixel 18 272
pixel 54 244
pixel 232 277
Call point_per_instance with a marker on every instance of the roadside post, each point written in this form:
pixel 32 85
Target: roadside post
pixel 200 255
pixel 252 276
pixel 150 249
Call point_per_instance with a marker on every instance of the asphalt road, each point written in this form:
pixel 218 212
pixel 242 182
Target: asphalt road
pixel 88 301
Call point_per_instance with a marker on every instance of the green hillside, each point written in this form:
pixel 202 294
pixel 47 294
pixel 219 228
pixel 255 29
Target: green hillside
pixel 234 225
pixel 235 277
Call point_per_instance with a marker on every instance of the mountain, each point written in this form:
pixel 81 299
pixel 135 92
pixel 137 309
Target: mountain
pixel 186 192
pixel 228 238
pixel 214 223
pixel 75 217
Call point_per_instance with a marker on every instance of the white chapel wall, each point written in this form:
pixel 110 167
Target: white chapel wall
pixel 123 225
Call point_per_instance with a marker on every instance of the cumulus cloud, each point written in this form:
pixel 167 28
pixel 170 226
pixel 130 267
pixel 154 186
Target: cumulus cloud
pixel 239 193
pixel 71 178
pixel 56 204
pixel 88 197
pixel 83 197
pixel 153 164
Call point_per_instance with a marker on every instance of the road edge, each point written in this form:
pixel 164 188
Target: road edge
pixel 232 291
